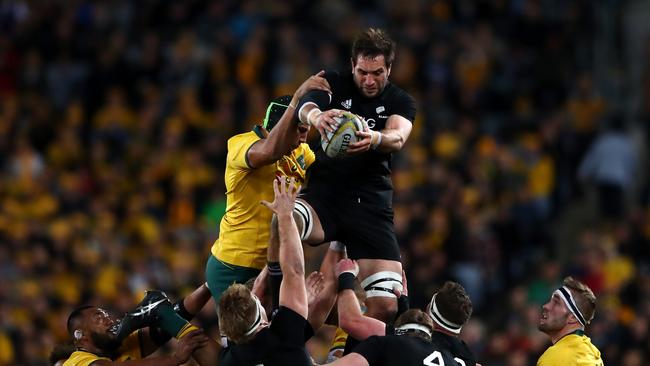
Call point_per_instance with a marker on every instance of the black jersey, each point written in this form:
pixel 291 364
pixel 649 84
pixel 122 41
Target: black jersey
pixel 367 174
pixel 282 343
pixel 407 350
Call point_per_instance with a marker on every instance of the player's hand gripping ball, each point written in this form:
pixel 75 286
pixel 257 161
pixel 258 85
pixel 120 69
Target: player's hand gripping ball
pixel 343 136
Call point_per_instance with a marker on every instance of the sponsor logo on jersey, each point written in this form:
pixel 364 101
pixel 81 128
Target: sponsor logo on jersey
pixel 380 116
pixel 347 104
pixel 380 109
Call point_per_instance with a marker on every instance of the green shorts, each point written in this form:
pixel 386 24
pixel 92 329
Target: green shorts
pixel 221 275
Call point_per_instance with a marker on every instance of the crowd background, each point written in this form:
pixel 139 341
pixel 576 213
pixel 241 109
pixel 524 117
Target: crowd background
pixel 114 117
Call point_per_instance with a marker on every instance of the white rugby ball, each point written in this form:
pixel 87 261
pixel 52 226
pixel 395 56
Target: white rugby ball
pixel 343 136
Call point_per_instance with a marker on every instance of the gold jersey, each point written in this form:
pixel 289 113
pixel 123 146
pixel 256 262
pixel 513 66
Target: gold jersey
pixel 244 230
pixel 130 350
pixel 571 350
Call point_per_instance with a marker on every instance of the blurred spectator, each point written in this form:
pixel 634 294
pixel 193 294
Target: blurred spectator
pixel 611 164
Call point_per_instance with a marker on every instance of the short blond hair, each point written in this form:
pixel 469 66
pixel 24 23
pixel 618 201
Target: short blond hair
pixel 584 297
pixel 236 312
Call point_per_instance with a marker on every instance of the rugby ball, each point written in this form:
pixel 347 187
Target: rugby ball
pixel 343 136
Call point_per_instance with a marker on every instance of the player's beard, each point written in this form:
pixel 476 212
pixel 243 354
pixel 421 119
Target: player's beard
pixel 105 342
pixel 552 325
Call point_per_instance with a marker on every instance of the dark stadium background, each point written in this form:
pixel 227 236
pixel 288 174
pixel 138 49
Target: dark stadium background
pixel 114 117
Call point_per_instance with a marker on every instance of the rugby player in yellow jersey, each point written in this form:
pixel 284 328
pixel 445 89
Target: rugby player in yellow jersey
pixel 255 158
pixel 563 319
pixel 97 343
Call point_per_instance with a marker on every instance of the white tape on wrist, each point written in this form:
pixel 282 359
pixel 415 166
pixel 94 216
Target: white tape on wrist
pixel 313 111
pixel 378 142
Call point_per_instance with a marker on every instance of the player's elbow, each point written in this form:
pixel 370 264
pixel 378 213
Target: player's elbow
pixel 293 267
pixel 355 326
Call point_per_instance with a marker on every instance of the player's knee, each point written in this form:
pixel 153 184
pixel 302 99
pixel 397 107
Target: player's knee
pixel 300 223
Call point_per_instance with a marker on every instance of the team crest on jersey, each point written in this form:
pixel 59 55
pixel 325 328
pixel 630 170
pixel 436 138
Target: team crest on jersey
pixel 380 109
pixel 347 104
pixel 301 161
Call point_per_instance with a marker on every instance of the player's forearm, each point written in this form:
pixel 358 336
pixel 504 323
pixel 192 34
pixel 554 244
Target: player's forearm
pixel 281 138
pixel 352 321
pixel 390 141
pixel 291 254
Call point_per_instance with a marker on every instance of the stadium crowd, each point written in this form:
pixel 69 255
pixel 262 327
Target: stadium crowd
pixel 114 117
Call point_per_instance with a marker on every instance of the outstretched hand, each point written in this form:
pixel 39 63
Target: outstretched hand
pixel 286 192
pixel 314 82
pixel 325 122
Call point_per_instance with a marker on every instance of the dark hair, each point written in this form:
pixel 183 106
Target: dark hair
pixel 74 315
pixel 584 297
pixel 454 303
pixel 61 352
pixel 416 316
pixel 275 110
pixel 372 43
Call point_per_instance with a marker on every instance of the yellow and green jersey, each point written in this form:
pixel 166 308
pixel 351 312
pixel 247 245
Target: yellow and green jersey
pixel 572 350
pixel 130 350
pixel 244 230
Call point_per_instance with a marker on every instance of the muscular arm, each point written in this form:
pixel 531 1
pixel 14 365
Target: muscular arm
pixel 284 136
pixel 395 134
pixel 277 144
pixel 353 322
pixel 320 309
pixel 292 290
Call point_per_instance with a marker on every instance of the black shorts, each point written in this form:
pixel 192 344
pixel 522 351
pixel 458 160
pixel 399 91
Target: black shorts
pixel 365 228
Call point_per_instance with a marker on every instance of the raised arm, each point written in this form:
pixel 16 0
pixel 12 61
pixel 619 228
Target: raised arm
pixel 292 290
pixel 282 138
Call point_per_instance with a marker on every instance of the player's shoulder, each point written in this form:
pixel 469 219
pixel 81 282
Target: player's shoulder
pixel 245 136
pixel 394 92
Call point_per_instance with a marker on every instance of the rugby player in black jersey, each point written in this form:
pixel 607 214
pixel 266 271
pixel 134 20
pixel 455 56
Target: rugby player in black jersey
pixel 416 342
pixel 243 319
pixel 350 199
pixel 450 308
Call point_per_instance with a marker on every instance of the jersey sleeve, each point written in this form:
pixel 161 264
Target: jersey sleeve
pixel 238 147
pixel 290 326
pixel 404 105
pixel 371 349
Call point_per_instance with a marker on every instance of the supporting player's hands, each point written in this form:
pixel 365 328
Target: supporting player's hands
pixel 404 291
pixel 285 191
pixel 324 122
pixel 346 265
pixel 314 82
pixel 314 284
pixel 187 344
